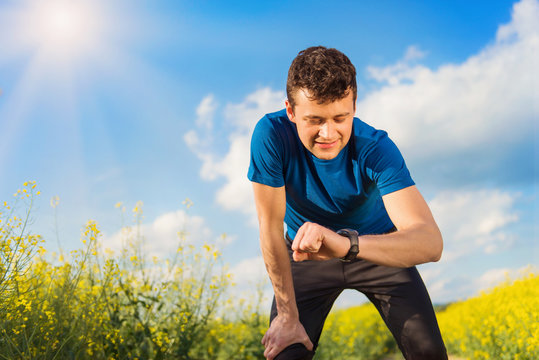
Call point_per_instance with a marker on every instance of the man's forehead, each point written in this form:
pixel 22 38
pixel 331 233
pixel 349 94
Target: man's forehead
pixel 319 116
pixel 306 96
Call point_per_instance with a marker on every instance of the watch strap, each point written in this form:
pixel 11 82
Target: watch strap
pixel 352 235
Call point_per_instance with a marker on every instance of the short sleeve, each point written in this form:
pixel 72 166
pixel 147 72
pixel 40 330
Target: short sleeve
pixel 266 166
pixel 386 167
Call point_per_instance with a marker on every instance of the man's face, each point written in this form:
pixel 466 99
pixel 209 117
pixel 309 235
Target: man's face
pixel 324 129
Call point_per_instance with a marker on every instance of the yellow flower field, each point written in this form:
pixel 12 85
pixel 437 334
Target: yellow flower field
pixel 92 305
pixel 502 323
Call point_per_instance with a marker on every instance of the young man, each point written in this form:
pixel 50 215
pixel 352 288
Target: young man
pixel 355 219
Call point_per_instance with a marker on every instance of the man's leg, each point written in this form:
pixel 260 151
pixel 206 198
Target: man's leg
pixel 404 303
pixel 312 315
pixel 317 284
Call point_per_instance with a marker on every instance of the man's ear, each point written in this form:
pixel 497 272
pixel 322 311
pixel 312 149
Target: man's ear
pixel 289 111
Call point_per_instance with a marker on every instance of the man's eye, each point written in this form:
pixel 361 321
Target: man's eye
pixel 340 120
pixel 315 122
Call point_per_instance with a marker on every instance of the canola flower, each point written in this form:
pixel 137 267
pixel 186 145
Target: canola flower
pixel 16 246
pixel 355 333
pixel 502 323
pixel 94 304
pixel 88 305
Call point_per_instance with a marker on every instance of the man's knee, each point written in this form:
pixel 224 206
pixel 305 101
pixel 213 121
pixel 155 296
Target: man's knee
pixel 421 341
pixel 424 348
pixel 295 352
pixel 427 350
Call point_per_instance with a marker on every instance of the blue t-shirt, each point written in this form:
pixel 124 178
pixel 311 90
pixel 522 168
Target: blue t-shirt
pixel 344 192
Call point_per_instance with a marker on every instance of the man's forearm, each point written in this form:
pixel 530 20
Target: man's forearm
pixel 404 248
pixel 413 245
pixel 277 262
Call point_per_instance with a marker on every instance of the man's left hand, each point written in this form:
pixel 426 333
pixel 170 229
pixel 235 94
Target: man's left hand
pixel 315 242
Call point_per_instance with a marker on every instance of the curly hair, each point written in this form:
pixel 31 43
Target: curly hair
pixel 327 74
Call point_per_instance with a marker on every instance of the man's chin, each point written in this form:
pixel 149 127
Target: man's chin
pixel 325 155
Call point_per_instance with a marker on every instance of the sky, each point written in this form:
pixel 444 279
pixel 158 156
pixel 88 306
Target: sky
pixel 123 101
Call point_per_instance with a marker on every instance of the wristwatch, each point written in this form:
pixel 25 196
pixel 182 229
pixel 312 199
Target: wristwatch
pixel 354 248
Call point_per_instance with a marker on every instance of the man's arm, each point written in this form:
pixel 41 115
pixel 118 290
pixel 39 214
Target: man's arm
pixel 416 241
pixel 285 329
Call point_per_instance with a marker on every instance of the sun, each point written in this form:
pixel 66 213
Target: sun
pixel 61 28
pixel 63 24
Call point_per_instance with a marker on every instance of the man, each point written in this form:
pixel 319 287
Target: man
pixel 354 213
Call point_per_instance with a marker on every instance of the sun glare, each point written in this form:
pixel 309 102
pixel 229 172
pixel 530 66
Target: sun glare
pixel 63 28
pixel 63 25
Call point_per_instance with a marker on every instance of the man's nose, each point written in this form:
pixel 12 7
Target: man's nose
pixel 327 130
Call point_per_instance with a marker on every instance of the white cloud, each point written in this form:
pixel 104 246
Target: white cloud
pixel 191 139
pixel 249 275
pixel 205 112
pixel 404 69
pixel 247 113
pixel 525 14
pixel 236 193
pixel 475 226
pixel 250 271
pixel 414 53
pixel 461 287
pixel 161 236
pixel 470 118
pixel 494 277
pixel 474 221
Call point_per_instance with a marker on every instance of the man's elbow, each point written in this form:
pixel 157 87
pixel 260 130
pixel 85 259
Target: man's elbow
pixel 437 245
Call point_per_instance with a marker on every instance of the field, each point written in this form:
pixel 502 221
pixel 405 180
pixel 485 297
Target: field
pixel 93 304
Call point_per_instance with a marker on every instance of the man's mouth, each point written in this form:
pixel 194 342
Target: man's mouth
pixel 326 145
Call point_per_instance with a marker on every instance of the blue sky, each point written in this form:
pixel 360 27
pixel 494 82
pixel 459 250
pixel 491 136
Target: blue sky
pixel 104 102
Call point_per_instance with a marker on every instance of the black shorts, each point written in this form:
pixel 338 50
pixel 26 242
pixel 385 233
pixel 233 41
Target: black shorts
pixel 399 294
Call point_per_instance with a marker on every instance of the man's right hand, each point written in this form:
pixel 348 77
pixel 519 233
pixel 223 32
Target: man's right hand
pixel 282 333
